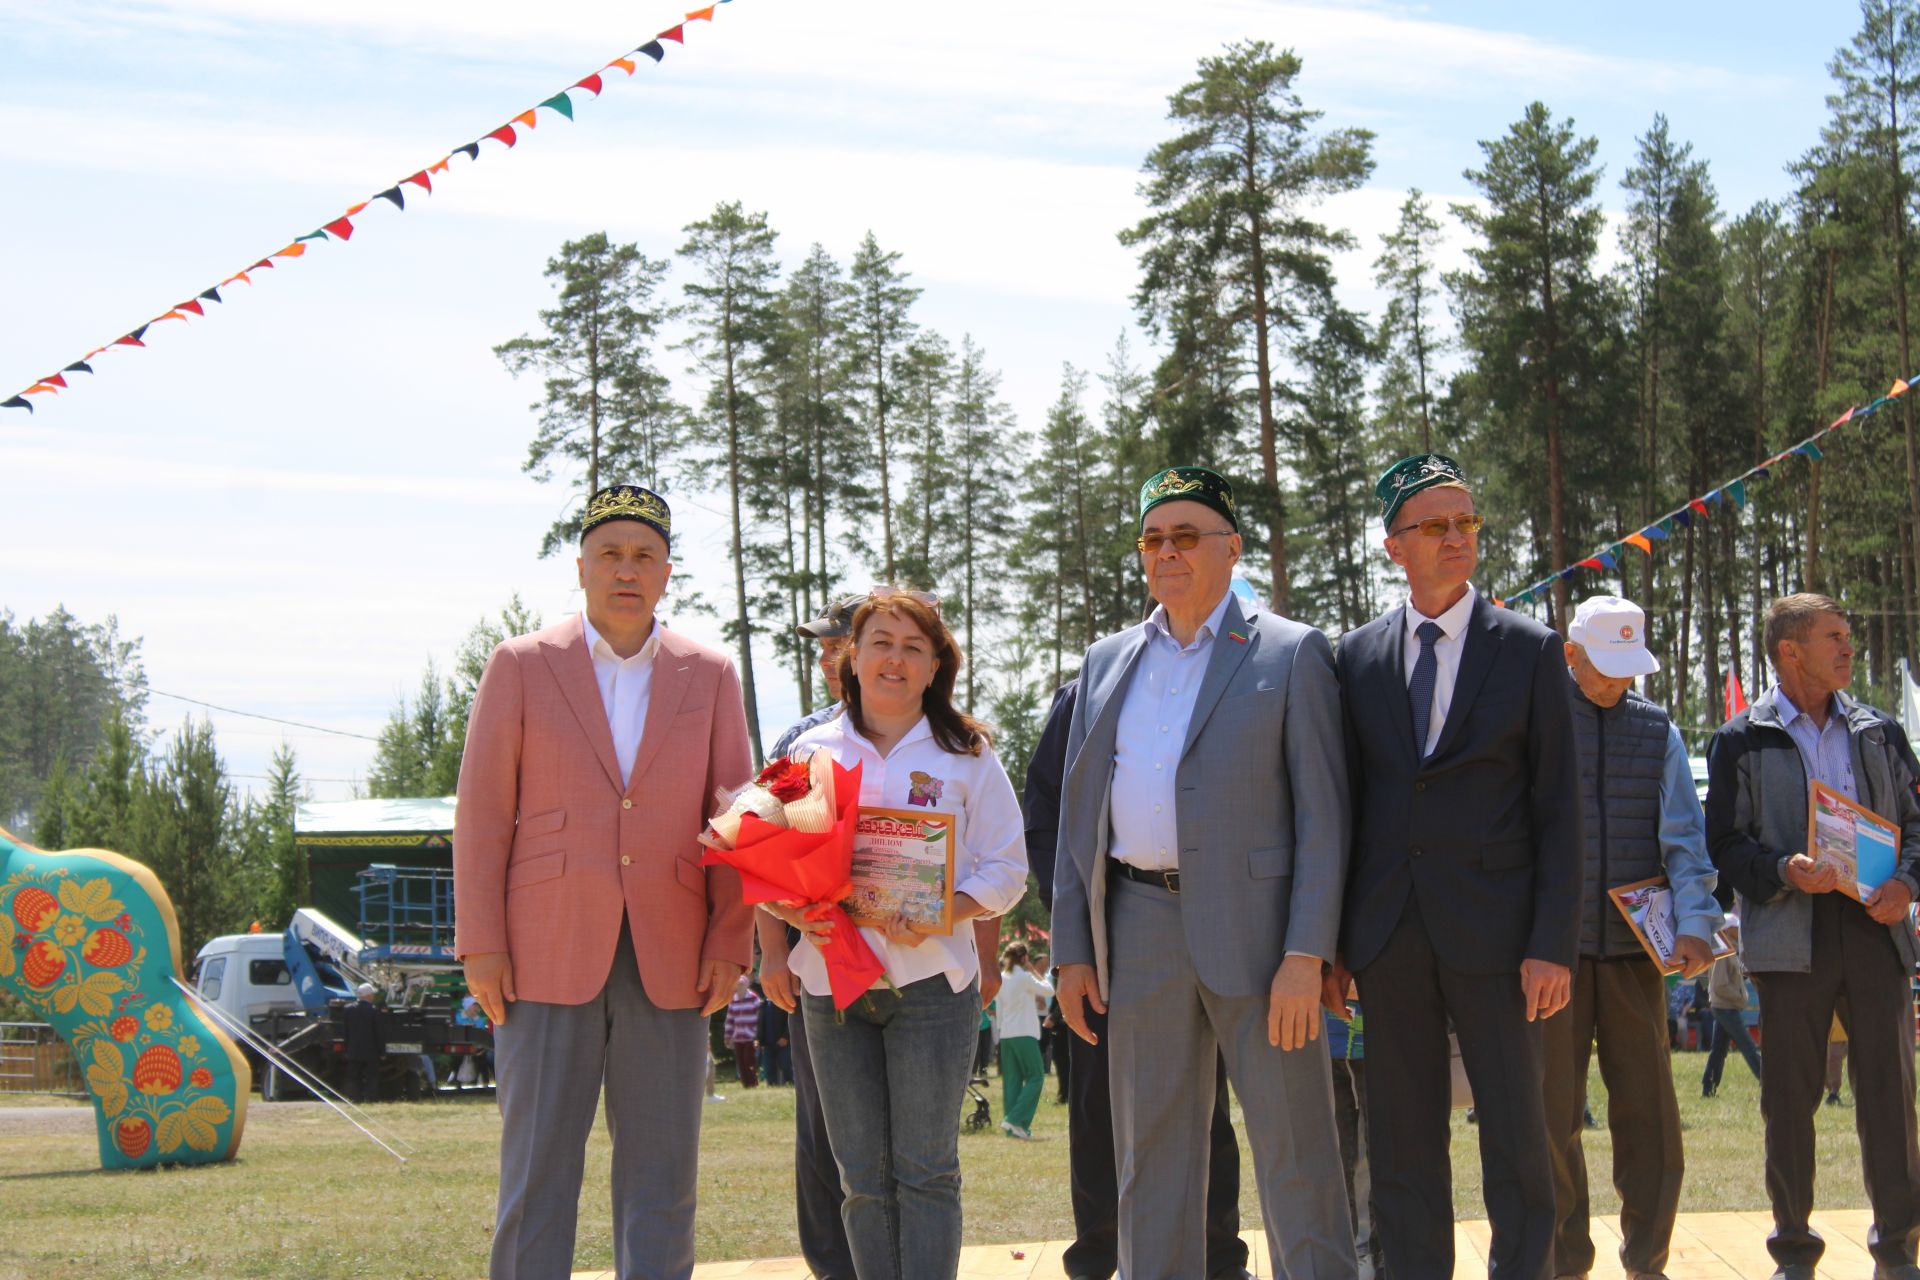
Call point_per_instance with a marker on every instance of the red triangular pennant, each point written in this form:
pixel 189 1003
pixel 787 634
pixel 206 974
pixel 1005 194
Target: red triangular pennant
pixel 422 181
pixel 675 34
pixel 504 134
pixel 339 227
pixel 54 380
pixel 591 84
pixel 194 307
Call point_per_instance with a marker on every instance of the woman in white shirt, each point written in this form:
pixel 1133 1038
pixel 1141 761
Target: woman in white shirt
pixel 1023 998
pixel 892 1070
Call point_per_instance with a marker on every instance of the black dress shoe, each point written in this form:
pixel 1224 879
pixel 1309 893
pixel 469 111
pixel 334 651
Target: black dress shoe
pixel 1895 1271
pixel 1793 1271
pixel 1241 1273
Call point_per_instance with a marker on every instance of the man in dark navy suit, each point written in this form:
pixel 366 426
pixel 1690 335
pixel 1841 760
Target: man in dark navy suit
pixel 1463 894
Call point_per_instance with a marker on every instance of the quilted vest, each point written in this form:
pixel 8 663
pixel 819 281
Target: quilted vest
pixel 1623 750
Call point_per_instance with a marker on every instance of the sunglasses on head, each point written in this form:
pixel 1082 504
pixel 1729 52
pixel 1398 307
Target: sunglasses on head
pixel 1437 526
pixel 1182 539
pixel 883 594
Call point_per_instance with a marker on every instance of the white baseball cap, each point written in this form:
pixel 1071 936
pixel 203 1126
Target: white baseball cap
pixel 1614 634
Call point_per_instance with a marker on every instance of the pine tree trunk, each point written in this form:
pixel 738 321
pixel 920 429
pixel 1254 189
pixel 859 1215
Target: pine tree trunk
pixel 1556 505
pixel 742 622
pixel 1263 372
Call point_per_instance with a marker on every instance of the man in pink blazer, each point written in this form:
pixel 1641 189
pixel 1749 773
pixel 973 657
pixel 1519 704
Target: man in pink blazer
pixel 591 934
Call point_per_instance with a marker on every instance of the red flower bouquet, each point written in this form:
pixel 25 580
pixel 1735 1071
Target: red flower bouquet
pixel 790 836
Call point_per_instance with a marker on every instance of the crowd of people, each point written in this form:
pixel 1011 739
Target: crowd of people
pixel 1360 883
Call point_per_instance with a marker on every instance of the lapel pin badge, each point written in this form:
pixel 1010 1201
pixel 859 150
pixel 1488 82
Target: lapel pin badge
pixel 1235 635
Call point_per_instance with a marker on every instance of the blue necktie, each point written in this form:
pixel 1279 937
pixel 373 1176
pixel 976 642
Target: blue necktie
pixel 1426 668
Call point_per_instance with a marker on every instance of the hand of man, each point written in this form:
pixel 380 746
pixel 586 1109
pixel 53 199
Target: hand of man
pixel 1808 876
pixel 1079 990
pixel 1546 986
pixel 716 980
pixel 1293 1003
pixel 1333 990
pixel 490 979
pixel 1693 955
pixel 1888 904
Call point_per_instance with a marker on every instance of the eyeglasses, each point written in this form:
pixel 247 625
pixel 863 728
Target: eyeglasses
pixel 1182 539
pixel 1437 526
pixel 883 594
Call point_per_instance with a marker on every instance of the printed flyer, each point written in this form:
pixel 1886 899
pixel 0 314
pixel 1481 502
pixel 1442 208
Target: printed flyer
pixel 903 862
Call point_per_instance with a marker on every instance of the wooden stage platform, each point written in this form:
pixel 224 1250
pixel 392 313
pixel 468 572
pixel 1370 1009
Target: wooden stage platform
pixel 1706 1246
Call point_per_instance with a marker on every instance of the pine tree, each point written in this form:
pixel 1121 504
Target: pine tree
pixel 1410 338
pixel 1533 316
pixel 878 328
pixel 731 306
pixel 603 403
pixel 986 446
pixel 1232 190
pixel 813 364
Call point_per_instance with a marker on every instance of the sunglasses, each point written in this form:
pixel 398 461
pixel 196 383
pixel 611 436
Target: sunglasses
pixel 1182 539
pixel 1437 526
pixel 883 594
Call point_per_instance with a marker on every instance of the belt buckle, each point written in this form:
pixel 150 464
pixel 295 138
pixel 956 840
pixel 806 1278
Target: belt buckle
pixel 1171 879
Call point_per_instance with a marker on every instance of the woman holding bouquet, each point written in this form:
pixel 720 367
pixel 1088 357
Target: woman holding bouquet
pixel 892 1069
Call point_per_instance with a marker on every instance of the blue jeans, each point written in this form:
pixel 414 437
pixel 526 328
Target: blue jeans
pixel 1730 1031
pixel 892 1072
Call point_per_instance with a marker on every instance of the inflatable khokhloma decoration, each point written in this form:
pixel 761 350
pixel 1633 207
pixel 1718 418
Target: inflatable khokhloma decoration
pixel 89 940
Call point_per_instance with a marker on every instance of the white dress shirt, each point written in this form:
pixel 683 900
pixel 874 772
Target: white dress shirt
pixel 989 842
pixel 1151 737
pixel 625 684
pixel 1446 657
pixel 1022 999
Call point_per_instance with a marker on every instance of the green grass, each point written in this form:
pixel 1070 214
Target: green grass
pixel 310 1197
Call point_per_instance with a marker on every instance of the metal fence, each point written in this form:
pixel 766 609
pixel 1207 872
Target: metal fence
pixel 35 1060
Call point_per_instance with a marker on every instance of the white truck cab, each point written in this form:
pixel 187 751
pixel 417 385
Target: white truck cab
pixel 246 975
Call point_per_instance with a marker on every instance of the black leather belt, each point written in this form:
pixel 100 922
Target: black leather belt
pixel 1168 880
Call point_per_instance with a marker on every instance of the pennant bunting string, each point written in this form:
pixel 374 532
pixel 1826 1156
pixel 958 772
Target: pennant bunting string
pixel 1698 508
pixel 341 228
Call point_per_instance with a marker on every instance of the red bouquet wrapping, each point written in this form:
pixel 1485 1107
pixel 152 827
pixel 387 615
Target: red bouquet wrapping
pixel 806 869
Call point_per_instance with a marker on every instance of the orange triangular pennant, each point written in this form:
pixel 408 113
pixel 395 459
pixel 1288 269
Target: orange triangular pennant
pixel 440 165
pixel 525 117
pixel 1899 386
pixel 625 64
pixel 171 315
pixel 38 387
pixel 293 250
pixel 355 209
pixel 1640 541
pixel 701 15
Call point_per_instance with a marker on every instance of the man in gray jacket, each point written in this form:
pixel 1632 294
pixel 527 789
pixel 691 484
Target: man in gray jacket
pixel 1641 818
pixel 1203 844
pixel 1813 951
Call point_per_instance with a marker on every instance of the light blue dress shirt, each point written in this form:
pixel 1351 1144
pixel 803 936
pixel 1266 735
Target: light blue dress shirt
pixel 1683 846
pixel 1151 737
pixel 1827 753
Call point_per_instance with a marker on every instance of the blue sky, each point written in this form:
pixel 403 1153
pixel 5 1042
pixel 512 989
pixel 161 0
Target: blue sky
pixel 300 499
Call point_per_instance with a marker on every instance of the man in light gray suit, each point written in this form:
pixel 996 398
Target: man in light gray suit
pixel 1203 850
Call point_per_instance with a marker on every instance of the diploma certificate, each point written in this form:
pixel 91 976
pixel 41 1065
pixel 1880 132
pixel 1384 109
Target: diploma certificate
pixel 1858 843
pixel 903 862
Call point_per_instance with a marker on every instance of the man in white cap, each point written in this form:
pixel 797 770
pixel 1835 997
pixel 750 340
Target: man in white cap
pixel 1642 819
